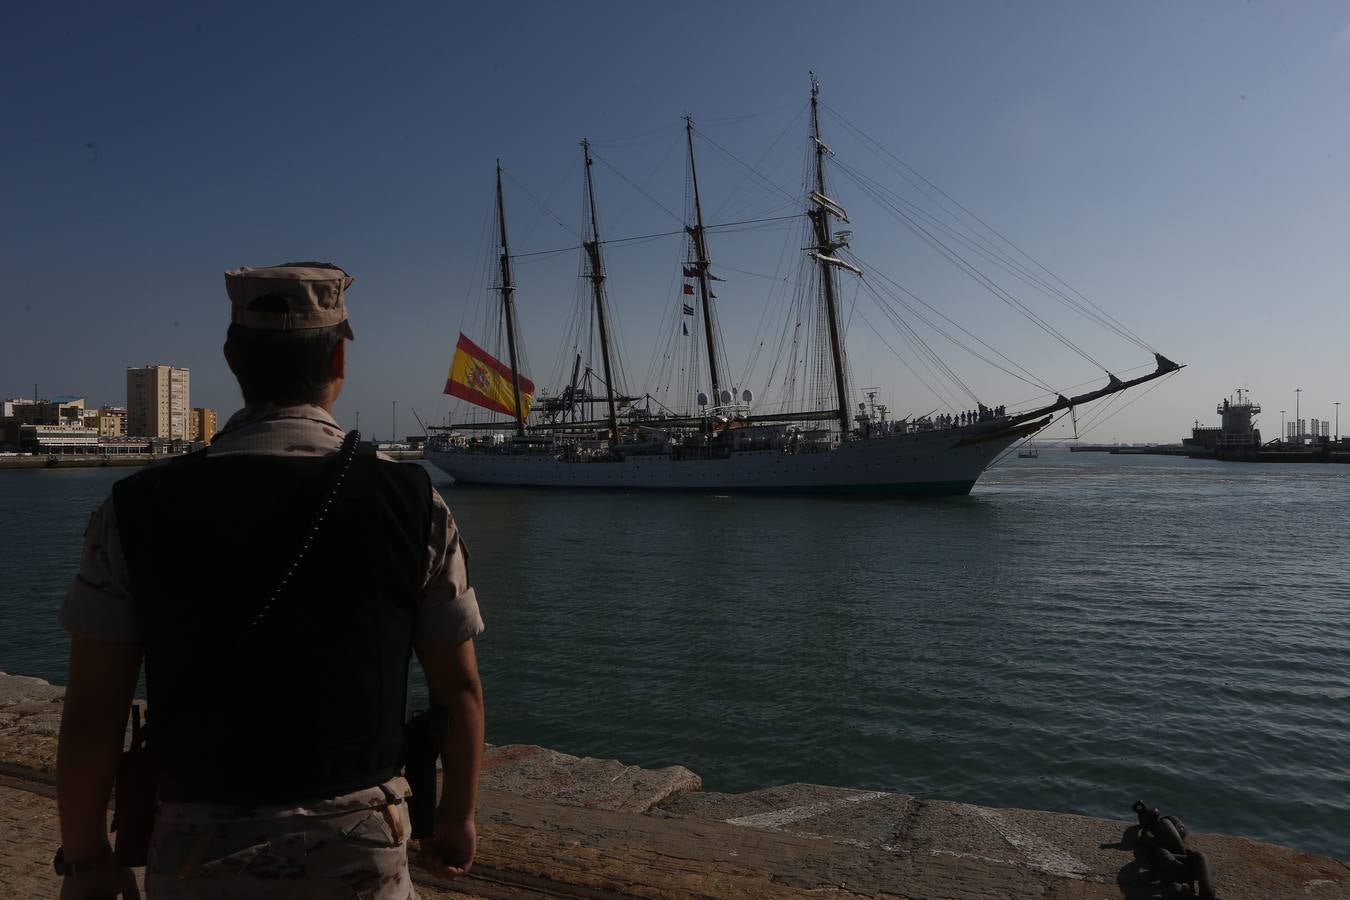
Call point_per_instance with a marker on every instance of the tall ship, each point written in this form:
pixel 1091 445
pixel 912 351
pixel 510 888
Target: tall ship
pixel 697 427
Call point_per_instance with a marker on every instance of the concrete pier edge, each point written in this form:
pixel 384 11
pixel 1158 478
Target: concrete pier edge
pixel 551 824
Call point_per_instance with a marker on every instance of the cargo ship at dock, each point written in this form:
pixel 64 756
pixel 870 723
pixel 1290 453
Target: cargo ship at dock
pixel 1237 439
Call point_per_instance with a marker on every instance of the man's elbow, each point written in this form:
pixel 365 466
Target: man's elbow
pixel 468 688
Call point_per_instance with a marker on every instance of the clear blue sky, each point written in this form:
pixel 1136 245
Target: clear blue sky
pixel 1184 165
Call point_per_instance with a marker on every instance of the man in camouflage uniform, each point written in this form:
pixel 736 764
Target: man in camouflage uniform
pixel 276 637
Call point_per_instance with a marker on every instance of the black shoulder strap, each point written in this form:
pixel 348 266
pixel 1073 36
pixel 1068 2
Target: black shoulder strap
pixel 344 464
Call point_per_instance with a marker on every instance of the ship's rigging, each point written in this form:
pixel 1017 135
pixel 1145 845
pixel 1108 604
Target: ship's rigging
pixel 803 365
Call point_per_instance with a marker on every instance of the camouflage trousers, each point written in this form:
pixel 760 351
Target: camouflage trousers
pixel 355 845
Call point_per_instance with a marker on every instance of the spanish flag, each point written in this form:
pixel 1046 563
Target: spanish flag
pixel 477 377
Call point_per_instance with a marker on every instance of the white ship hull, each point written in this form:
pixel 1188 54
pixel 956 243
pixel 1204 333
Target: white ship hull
pixel 932 463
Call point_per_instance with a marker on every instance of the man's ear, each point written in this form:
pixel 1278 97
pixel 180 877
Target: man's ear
pixel 337 366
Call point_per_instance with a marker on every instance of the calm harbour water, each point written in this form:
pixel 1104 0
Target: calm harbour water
pixel 1084 629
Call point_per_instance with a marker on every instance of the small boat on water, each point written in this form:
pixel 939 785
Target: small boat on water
pixel 695 426
pixel 1028 451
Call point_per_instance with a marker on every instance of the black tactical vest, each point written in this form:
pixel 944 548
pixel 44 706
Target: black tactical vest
pixel 310 702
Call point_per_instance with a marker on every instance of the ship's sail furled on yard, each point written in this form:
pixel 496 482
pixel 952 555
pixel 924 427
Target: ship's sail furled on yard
pixel 478 377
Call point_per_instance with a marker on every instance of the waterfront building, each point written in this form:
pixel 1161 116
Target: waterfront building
pixel 203 424
pixel 57 439
pixel 112 422
pixel 64 411
pixel 9 425
pixel 168 446
pixel 157 402
pixel 122 446
pixel 19 412
pixel 58 411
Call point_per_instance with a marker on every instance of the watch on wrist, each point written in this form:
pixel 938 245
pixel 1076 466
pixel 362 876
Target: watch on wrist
pixel 65 867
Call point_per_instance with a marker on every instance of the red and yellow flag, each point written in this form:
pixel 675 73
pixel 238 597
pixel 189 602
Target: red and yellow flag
pixel 478 378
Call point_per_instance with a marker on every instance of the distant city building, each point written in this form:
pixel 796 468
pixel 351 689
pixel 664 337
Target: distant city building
pixel 157 403
pixel 112 422
pixel 17 413
pixel 203 424
pixel 163 446
pixel 60 411
pixel 122 446
pixel 65 411
pixel 9 424
pixel 57 439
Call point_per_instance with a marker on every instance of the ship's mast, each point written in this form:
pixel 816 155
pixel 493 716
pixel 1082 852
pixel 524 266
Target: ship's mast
pixel 598 286
pixel 508 289
pixel 701 265
pixel 825 246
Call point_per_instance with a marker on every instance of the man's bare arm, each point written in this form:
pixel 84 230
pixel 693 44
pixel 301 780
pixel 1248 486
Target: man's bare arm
pixel 452 677
pixel 93 724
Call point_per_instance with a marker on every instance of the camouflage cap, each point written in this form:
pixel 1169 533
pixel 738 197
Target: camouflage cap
pixel 289 297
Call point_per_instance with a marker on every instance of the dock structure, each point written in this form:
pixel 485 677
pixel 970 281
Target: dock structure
pixel 554 825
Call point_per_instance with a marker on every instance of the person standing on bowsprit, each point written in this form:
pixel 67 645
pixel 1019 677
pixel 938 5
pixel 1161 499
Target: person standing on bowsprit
pixel 276 585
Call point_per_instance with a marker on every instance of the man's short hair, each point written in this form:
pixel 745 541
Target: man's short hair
pixel 288 368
